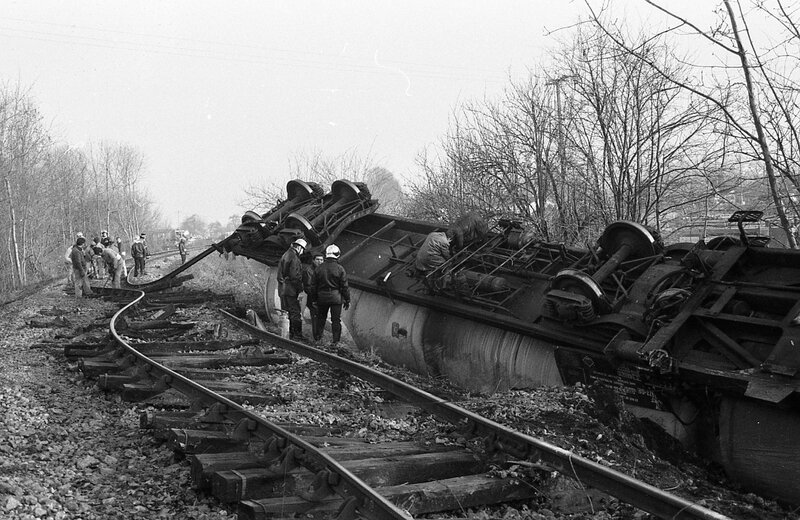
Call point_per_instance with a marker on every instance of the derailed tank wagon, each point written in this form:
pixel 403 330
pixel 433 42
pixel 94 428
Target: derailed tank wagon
pixel 703 339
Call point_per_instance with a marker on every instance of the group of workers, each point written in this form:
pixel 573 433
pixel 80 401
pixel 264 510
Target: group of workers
pixel 104 257
pixel 323 280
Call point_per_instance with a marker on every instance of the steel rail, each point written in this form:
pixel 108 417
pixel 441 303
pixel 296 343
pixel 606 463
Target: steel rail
pixel 172 275
pixel 628 489
pixel 344 482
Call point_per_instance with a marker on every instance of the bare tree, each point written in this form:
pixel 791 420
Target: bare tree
pixel 599 137
pixel 49 192
pixel 759 80
pixel 496 159
pixel 23 140
pixel 638 138
pixel 316 167
pixel 118 199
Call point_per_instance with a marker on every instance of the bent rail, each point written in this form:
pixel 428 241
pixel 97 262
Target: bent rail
pixel 172 278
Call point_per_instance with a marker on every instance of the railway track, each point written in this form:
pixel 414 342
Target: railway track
pixel 274 469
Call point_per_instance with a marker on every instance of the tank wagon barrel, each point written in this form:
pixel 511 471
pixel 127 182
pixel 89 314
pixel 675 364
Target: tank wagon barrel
pixel 702 339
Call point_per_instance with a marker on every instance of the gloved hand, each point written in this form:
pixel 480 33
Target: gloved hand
pixel 346 305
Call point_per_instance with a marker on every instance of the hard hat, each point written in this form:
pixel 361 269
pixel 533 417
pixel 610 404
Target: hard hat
pixel 332 251
pixel 300 242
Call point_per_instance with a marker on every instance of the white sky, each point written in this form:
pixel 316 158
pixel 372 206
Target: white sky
pixel 218 95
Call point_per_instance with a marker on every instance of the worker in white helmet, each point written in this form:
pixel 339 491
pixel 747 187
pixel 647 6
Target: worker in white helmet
pixel 331 293
pixel 290 285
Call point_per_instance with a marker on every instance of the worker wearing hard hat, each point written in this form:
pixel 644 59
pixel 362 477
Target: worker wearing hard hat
pixel 331 293
pixel 290 285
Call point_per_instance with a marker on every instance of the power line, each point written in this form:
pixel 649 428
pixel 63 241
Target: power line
pixel 331 63
pixel 239 45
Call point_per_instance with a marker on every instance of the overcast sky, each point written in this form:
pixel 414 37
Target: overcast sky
pixel 218 95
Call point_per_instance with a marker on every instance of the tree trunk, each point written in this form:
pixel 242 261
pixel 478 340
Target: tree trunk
pixel 762 140
pixel 13 246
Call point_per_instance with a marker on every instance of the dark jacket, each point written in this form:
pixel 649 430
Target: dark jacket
pixel 290 273
pixel 329 283
pixel 182 246
pixel 138 249
pixel 308 278
pixel 78 258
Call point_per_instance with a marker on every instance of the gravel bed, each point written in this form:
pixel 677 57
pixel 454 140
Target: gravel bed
pixel 68 450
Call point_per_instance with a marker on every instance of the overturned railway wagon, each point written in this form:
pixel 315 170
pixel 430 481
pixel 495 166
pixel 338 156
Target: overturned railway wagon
pixel 702 339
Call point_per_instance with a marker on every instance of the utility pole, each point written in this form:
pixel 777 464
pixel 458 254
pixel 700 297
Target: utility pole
pixel 560 128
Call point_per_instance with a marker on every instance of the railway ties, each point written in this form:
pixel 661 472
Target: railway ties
pixel 239 467
pixel 498 440
pixel 207 362
pixel 273 469
pixel 420 479
pixel 267 477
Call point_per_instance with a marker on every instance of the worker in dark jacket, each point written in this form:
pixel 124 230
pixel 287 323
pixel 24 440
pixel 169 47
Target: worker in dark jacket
pixel 290 285
pixel 139 253
pixel 80 274
pixel 308 279
pixel 182 249
pixel 105 240
pixel 331 293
